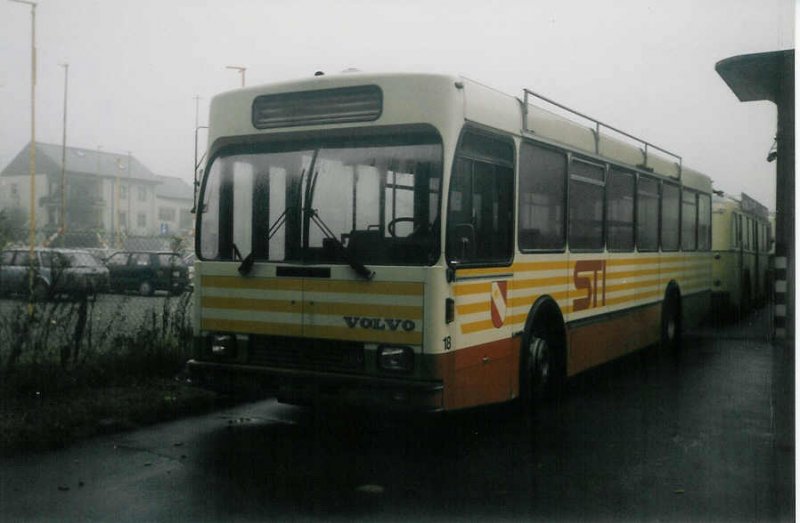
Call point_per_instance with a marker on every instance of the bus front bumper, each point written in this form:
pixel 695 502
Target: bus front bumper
pixel 306 387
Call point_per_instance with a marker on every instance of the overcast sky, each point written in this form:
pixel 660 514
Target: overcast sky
pixel 645 66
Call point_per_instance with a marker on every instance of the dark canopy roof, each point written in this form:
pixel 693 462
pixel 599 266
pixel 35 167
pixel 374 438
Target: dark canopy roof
pixel 757 76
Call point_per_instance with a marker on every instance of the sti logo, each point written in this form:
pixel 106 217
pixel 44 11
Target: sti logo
pixel 379 324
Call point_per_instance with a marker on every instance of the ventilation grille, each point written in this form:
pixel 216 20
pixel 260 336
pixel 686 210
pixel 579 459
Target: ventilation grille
pixel 327 106
pixel 311 354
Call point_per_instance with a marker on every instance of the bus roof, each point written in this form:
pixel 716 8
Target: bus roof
pixel 447 102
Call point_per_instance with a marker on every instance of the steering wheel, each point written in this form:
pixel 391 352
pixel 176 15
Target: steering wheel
pixel 402 219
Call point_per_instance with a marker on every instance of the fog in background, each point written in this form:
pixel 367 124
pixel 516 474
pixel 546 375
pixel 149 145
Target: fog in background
pixel 646 67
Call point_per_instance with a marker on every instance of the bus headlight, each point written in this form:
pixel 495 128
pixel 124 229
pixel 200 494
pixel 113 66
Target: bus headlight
pixel 223 346
pixel 396 359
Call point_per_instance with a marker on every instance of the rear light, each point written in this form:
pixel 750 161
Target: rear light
pixel 223 345
pixel 396 359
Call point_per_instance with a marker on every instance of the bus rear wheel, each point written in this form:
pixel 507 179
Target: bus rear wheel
pixel 671 323
pixel 539 369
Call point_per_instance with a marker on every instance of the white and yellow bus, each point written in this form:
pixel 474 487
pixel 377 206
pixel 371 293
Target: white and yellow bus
pixel 424 242
pixel 741 247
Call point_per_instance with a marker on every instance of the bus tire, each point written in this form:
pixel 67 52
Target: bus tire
pixel 671 328
pixel 542 362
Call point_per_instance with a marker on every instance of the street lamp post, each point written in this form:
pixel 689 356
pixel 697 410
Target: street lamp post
pixel 64 160
pixel 234 67
pixel 32 157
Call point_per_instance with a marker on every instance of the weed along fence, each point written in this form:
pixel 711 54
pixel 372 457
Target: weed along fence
pixel 95 316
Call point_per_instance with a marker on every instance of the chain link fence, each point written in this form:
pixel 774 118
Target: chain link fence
pixel 85 303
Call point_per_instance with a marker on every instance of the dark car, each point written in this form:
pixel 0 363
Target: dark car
pixel 147 272
pixel 56 272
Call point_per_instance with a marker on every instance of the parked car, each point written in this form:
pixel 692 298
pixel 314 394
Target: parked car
pixel 147 272
pixel 57 272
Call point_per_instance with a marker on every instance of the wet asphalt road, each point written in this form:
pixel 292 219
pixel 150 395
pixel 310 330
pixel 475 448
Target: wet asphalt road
pixel 705 438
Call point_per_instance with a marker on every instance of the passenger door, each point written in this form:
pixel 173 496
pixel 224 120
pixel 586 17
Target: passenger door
pixel 479 239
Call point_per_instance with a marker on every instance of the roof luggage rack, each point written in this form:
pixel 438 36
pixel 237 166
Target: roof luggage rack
pixel 596 131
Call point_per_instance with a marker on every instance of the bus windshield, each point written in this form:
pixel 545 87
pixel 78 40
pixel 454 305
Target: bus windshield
pixel 371 200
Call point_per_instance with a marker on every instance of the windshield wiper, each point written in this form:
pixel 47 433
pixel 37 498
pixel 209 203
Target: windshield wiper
pixel 356 265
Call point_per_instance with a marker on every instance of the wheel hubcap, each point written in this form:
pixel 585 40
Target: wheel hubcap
pixel 671 329
pixel 539 362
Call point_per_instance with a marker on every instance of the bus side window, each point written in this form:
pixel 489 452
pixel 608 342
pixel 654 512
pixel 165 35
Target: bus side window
pixel 586 202
pixel 703 222
pixel 689 221
pixel 620 210
pixel 647 214
pixel 670 217
pixel 542 193
pixel 480 214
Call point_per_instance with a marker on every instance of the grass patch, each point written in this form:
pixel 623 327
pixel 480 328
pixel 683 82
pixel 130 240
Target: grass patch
pixel 73 370
pixel 55 419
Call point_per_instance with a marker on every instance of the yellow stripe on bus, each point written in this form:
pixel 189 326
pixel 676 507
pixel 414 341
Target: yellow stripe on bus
pixel 520 301
pixel 316 307
pixel 335 286
pixel 473 308
pixel 632 261
pixel 542 282
pixel 313 331
pixel 363 309
pixel 237 282
pixel 472 288
pixel 251 327
pixel 365 287
pixel 249 304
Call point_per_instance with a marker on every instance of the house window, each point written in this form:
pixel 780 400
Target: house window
pixel 123 191
pixel 166 214
pixel 14 189
pixel 141 220
pixel 123 219
pixel 142 194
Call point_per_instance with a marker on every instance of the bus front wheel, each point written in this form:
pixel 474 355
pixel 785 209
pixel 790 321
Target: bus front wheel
pixel 671 323
pixel 539 370
pixel 541 365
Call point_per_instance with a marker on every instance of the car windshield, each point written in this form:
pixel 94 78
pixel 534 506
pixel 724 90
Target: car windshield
pixel 374 200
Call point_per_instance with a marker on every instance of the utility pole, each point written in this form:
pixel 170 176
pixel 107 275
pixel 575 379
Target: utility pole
pixel 239 68
pixel 32 157
pixel 63 220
